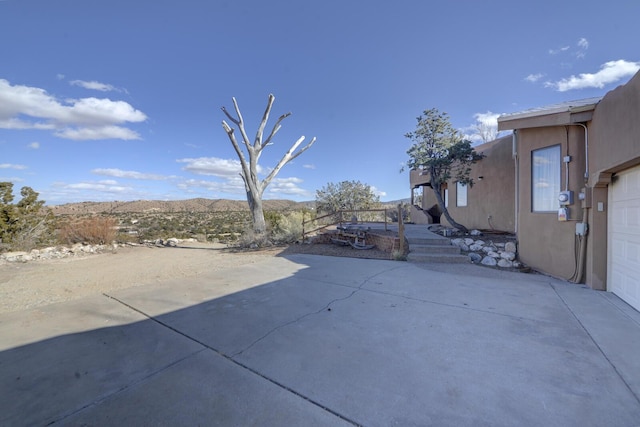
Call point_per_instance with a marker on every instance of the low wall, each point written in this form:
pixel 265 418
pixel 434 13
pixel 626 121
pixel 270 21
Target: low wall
pixel 384 242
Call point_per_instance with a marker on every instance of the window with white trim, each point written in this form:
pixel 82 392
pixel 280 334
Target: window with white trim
pixel 545 179
pixel 461 194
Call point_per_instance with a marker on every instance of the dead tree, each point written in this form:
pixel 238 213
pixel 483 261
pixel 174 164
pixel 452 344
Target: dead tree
pixel 253 185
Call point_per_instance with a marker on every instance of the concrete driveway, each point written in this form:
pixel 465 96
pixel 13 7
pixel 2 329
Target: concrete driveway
pixel 309 340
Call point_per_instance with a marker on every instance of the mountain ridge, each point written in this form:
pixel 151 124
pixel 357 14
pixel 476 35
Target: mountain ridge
pixel 188 205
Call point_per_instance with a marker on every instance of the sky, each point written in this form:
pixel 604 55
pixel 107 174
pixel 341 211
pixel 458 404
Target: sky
pixel 121 100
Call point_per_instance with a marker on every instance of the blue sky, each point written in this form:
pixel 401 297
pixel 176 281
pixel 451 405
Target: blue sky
pixel 120 99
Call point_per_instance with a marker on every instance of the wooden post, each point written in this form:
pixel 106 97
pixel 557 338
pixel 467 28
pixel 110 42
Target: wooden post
pixel 401 229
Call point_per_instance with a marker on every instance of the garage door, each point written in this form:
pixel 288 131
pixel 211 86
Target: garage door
pixel 623 277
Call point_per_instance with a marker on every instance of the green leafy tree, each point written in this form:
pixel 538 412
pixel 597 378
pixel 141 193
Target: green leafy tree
pixel 27 223
pixel 439 150
pixel 345 195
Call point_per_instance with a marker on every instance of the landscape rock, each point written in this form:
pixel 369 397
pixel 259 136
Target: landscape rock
pixel 509 256
pixel 505 263
pixel 494 254
pixel 491 262
pixel 475 233
pixel 475 258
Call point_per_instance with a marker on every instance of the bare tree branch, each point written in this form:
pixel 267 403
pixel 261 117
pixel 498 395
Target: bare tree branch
pixel 287 158
pixel 253 186
pixel 263 123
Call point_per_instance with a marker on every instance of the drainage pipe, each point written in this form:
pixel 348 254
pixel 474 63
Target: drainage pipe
pixel 577 277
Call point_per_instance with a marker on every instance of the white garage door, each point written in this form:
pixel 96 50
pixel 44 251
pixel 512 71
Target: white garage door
pixel 623 276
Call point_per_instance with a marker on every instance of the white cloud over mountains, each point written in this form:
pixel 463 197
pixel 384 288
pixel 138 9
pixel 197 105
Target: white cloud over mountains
pixel 119 173
pixel 25 107
pixel 229 170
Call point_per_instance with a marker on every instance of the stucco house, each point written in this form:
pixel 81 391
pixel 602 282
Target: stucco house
pixel 577 208
pixel 567 183
pixel 488 205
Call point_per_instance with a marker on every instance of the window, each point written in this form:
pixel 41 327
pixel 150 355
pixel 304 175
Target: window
pixel 461 194
pixel 446 197
pixel 545 179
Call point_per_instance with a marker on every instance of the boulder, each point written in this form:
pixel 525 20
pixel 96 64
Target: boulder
pixel 509 256
pixel 491 262
pixel 505 263
pixel 475 247
pixel 475 258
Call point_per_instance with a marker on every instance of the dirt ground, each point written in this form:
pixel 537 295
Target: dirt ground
pixel 37 283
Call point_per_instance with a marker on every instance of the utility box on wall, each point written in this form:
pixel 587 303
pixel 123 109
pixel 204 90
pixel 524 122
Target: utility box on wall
pixel 566 198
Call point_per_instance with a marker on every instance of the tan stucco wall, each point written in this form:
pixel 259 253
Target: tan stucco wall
pixel 614 136
pixel 615 130
pixel 545 243
pixel 493 195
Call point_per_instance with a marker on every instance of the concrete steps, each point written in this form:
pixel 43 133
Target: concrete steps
pixel 434 248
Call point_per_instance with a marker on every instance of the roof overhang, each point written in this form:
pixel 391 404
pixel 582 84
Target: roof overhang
pixel 555 115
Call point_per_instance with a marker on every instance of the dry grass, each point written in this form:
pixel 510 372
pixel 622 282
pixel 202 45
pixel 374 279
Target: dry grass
pixel 92 230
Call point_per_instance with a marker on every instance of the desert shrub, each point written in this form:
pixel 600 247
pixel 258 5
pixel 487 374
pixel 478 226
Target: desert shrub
pixel 249 239
pixel 26 224
pixel 93 230
pixel 282 228
pixel 288 228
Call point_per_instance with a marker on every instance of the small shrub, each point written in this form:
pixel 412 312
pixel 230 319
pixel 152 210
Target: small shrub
pixel 95 230
pixel 288 228
pixel 397 255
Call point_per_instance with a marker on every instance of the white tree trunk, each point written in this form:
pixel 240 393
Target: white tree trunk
pixel 254 187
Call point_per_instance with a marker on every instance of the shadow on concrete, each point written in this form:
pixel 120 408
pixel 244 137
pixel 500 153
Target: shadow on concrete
pixel 308 340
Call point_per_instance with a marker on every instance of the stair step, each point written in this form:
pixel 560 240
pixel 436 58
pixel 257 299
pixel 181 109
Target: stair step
pixel 441 258
pixel 428 241
pixel 435 249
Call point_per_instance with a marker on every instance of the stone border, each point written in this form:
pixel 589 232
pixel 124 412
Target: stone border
pixel 503 255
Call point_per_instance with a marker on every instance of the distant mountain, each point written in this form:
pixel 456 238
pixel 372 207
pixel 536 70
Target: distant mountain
pixel 190 205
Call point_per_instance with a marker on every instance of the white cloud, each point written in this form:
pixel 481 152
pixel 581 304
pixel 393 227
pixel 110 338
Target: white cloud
pixel 94 85
pixel 25 107
pixel 377 192
pixel 232 183
pixel 610 72
pixel 118 173
pixel 559 50
pixel 34 145
pixel 12 166
pixel 583 45
pixel 10 179
pixel 214 166
pixel 534 77
pixel 287 187
pixel 97 186
pixel 229 186
pixel 96 133
pixel 309 166
pixel 484 129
